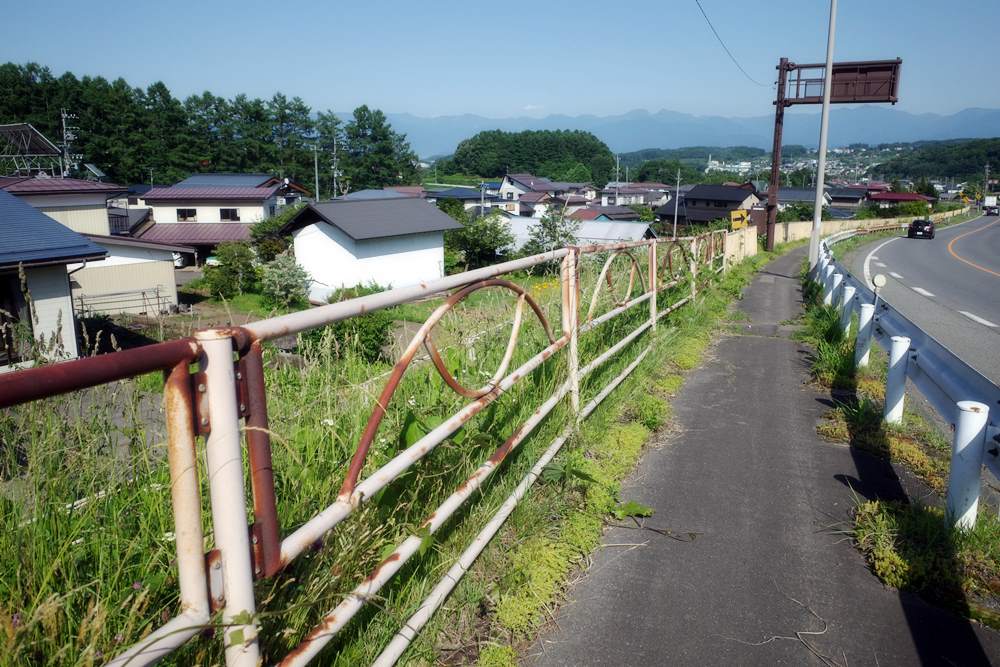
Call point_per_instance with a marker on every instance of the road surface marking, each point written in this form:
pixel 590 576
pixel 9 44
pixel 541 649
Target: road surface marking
pixel 881 265
pixel 874 256
pixel 870 257
pixel 951 250
pixel 895 275
pixel 921 290
pixel 976 318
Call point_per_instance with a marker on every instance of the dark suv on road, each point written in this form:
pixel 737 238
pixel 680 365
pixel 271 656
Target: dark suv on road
pixel 922 228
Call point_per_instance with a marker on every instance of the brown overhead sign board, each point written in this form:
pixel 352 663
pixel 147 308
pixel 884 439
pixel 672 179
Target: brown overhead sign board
pixel 853 82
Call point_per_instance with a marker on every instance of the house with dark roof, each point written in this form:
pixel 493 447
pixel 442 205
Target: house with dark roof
pixel 789 196
pixel 889 199
pixel 393 242
pixel 618 213
pixel 78 204
pixel 513 186
pixel 39 247
pixel 470 197
pixel 704 203
pixel 288 191
pixel 841 197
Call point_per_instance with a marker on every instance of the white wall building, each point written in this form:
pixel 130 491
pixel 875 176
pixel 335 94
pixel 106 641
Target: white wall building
pixel 392 242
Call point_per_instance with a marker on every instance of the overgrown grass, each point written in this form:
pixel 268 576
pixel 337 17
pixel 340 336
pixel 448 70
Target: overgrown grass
pixel 907 546
pixel 92 579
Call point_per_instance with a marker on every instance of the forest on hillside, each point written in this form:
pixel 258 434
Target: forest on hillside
pixel 963 160
pixel 136 135
pixel 562 155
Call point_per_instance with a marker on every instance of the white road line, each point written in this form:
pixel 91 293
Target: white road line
pixel 976 318
pixel 895 275
pixel 881 265
pixel 921 290
pixel 874 256
pixel 870 257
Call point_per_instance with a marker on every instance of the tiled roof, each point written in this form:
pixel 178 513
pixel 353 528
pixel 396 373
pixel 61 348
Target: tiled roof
pixel 375 218
pixel 727 193
pixel 224 180
pixel 197 233
pixel 29 236
pixel 898 196
pixel 533 197
pixel 52 186
pixel 369 193
pixel 210 193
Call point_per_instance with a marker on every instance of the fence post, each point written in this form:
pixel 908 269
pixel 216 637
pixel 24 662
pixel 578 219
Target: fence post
pixel 862 346
pixel 847 309
pixel 653 282
pixel 827 282
pixel 224 458
pixel 694 267
pixel 570 313
pixel 836 280
pixel 895 384
pixel 966 460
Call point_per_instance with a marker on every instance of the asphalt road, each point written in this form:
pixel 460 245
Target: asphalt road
pixel 949 286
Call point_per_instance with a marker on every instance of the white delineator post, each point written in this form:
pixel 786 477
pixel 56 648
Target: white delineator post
pixel 835 282
pixel 847 309
pixel 966 461
pixel 224 459
pixel 895 384
pixel 862 346
pixel 827 283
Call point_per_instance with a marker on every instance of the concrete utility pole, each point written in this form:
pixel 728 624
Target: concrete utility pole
pixel 677 199
pixel 986 183
pixel 824 123
pixel 316 169
pixel 335 164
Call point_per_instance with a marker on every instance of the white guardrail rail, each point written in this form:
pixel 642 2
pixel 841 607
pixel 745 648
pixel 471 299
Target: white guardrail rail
pixel 960 394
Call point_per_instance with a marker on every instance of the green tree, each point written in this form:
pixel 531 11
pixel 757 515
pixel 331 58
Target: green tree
pixel 266 236
pixel 375 155
pixel 553 231
pixel 481 241
pixel 924 187
pixel 236 271
pixel 284 283
pixel 330 141
pixel 665 171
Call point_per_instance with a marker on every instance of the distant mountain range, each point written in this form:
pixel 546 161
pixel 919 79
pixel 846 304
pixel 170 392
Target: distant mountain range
pixel 671 129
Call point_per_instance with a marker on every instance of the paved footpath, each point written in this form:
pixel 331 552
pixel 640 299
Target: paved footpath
pixel 765 495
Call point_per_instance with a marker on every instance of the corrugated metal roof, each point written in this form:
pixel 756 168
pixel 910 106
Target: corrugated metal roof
pixel 30 236
pixel 224 180
pixel 133 242
pixel 464 193
pixel 197 233
pixel 375 218
pixel 359 195
pixel 51 186
pixel 210 193
pixel 718 193
pixel 588 231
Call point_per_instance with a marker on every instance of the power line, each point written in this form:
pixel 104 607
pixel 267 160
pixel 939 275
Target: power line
pixel 730 53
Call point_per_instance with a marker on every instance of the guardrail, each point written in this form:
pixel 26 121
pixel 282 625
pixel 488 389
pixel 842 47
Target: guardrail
pixel 960 394
pixel 224 401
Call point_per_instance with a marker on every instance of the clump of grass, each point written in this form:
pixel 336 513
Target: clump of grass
pixel 494 655
pixel 909 547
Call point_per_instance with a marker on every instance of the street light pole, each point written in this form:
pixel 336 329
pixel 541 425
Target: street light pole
pixel 677 199
pixel 823 128
pixel 316 169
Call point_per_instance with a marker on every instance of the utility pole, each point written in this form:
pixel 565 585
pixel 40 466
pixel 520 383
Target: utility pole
pixel 617 176
pixel 824 123
pixel 335 164
pixel 316 169
pixel 774 183
pixel 677 199
pixel 986 183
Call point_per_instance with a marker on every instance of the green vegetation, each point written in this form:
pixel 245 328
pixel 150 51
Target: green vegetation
pixel 907 546
pixel 570 155
pixel 236 273
pixel 138 135
pixel 945 159
pixel 284 284
pixel 692 154
pixel 96 578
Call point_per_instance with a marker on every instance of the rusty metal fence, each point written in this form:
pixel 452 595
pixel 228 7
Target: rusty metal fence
pixel 215 389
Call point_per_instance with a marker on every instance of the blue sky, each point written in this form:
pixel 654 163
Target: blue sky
pixel 508 58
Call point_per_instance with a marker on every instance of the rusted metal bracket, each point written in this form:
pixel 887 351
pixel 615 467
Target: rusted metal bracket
pixel 199 390
pixel 213 572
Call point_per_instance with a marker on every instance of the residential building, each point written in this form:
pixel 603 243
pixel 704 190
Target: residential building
pixel 515 185
pixel 789 196
pixel 393 242
pixel 78 204
pixel 633 195
pixel 288 192
pixel 39 248
pixel 536 204
pixel 704 203
pixel 470 197
pixel 618 213
pixel 846 197
pixel 372 193
pixel 889 199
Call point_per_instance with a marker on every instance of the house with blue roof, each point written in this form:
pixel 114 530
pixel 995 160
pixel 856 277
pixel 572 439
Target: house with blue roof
pixel 36 304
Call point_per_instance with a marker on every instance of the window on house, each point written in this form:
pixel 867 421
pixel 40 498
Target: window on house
pixel 271 209
pixel 187 215
pixel 133 201
pixel 229 214
pixel 510 195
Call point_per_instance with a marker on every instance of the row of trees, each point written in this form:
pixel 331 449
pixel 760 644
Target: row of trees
pixel 140 135
pixel 563 155
pixel 947 159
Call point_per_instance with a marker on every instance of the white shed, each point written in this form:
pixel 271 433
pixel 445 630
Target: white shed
pixel 393 242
